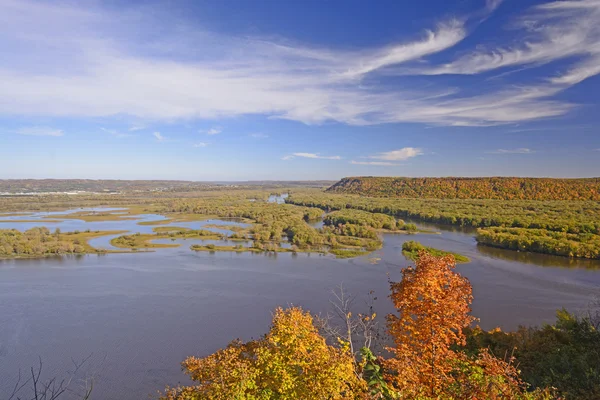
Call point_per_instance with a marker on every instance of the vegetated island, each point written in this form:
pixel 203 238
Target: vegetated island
pixel 412 251
pixel 353 223
pixel 144 241
pixel 581 245
pixel 41 242
pixel 558 225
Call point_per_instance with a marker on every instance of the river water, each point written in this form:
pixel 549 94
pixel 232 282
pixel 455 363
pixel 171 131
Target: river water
pixel 139 315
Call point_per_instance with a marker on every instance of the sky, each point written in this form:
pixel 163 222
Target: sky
pixel 288 90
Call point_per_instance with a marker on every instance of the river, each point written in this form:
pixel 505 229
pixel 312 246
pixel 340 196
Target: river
pixel 139 315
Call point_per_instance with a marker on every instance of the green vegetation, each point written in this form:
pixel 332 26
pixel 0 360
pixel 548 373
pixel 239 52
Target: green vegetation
pixel 412 250
pixel 362 218
pixel 348 253
pixel 582 245
pixel 576 223
pixel 472 188
pixel 94 216
pixel 564 355
pixel 40 242
pixel 139 240
pixel 236 249
pixel 561 216
pixel 163 229
pixel 273 222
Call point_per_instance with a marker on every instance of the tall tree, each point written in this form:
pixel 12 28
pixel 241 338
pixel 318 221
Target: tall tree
pixel 433 304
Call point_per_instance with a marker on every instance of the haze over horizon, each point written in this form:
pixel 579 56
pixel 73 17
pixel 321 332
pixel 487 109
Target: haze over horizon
pixel 237 90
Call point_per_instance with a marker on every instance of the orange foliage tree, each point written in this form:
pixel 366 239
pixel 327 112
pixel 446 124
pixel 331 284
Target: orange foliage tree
pixel 292 361
pixel 433 304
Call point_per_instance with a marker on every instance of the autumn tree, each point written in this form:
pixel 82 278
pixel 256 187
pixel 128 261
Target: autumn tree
pixel 292 361
pixel 433 304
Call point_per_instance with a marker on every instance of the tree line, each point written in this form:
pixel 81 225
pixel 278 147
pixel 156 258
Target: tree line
pixel 37 242
pixel 499 188
pixel 582 245
pixel 566 228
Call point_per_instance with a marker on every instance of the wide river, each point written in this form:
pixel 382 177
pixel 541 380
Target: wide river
pixel 137 316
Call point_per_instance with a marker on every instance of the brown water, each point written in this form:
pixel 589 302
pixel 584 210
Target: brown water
pixel 139 315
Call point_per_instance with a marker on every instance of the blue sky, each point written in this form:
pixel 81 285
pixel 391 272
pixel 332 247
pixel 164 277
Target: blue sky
pixel 249 90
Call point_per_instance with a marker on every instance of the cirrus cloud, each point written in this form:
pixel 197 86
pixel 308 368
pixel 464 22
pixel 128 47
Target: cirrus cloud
pixel 39 131
pixel 104 69
pixel 521 150
pixel 377 163
pixel 310 155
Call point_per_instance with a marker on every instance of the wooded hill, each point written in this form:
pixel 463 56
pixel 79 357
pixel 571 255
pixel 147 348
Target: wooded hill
pixel 501 188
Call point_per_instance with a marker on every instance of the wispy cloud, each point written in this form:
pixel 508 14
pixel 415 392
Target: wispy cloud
pixel 398 155
pixel 377 163
pixel 310 155
pixel 134 128
pixel 521 150
pixel 39 131
pixel 212 131
pixel 200 144
pixel 105 70
pixel 259 135
pixel 550 32
pixel 159 137
pixel 116 133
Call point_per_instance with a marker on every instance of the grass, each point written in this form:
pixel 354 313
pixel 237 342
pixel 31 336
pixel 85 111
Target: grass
pixel 144 240
pixel 348 253
pixel 82 238
pixel 162 229
pixel 235 249
pixel 412 249
pixel 139 240
pixel 178 217
pixel 402 232
pixel 232 228
pixel 94 217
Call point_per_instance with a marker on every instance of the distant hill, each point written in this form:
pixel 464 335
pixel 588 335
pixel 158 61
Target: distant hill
pixel 472 188
pixel 33 186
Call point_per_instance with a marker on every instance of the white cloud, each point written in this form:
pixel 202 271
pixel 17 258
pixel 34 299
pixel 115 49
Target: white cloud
pixel 93 64
pixel 200 144
pixel 259 135
pixel 398 155
pixel 212 131
pixel 116 133
pixel 310 155
pixel 549 32
pixel 377 163
pixel 39 131
pixel 134 128
pixel 159 137
pixel 521 150
pixel 446 36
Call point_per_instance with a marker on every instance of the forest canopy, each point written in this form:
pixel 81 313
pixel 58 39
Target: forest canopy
pixel 500 188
